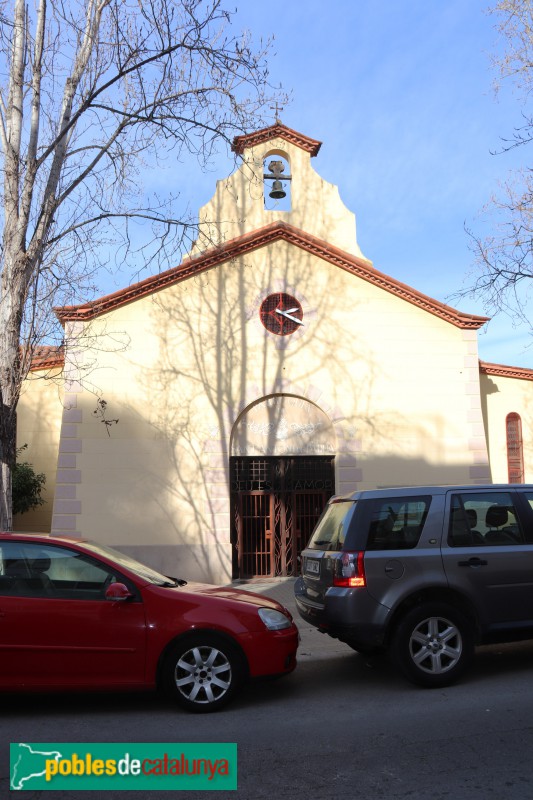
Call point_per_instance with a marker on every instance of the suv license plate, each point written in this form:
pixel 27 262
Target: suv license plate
pixel 312 566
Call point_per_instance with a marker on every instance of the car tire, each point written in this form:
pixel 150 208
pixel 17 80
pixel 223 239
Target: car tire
pixel 203 672
pixel 432 645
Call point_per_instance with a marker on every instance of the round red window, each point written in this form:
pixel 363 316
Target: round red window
pixel 281 313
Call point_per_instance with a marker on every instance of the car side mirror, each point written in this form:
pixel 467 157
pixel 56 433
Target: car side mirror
pixel 117 592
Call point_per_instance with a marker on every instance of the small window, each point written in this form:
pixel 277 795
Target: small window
pixel 515 450
pixel 484 519
pixel 396 524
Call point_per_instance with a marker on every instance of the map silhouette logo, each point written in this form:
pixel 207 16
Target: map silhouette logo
pixel 29 763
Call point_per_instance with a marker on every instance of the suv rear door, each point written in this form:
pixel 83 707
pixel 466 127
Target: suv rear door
pixel 487 551
pixel 319 559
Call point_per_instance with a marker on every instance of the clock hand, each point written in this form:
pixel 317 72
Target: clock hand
pixel 288 315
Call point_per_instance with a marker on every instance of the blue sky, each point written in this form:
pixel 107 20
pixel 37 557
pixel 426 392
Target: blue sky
pixel 401 95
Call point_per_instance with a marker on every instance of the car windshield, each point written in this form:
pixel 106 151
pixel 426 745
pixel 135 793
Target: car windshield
pixel 141 570
pixel 330 531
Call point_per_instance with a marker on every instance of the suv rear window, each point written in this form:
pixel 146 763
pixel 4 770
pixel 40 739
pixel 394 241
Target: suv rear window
pixel 396 523
pixel 330 531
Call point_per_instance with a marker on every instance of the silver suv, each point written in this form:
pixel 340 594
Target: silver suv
pixel 425 573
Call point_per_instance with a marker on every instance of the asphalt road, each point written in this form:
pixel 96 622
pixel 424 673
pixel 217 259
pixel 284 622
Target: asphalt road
pixel 340 726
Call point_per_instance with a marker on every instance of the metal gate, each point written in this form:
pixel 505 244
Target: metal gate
pixel 276 502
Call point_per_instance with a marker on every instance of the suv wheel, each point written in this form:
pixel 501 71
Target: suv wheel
pixel 432 645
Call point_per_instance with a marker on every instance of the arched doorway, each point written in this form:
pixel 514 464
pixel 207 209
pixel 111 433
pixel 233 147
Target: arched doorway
pixel 282 475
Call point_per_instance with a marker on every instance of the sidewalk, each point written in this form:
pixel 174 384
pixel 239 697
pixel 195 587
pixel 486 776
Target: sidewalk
pixel 313 645
pixel 280 589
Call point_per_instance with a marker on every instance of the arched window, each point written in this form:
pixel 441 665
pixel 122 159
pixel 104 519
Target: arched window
pixel 515 453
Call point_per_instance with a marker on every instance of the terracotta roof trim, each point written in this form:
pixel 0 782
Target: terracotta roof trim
pixel 277 131
pixel 261 238
pixel 47 357
pixel 504 371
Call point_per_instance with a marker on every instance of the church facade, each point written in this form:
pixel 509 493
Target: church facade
pixel 200 419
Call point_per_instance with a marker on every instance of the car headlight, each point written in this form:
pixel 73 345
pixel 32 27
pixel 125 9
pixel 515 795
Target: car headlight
pixel 274 620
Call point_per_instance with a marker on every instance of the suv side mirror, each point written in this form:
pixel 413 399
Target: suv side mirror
pixel 117 592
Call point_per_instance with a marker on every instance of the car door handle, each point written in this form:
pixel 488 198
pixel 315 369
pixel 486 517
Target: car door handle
pixel 473 562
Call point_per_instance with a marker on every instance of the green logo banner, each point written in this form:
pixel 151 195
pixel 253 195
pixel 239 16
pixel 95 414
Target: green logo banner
pixel 123 766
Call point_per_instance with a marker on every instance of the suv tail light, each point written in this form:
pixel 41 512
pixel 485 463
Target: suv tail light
pixel 350 570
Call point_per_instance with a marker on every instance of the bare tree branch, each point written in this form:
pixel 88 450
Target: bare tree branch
pixel 503 266
pixel 96 90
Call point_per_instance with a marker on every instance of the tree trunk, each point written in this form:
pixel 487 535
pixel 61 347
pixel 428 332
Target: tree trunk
pixel 9 394
pixel 12 363
pixel 8 438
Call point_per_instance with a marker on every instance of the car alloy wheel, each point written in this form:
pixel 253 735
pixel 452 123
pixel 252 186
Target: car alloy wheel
pixel 432 645
pixel 436 645
pixel 203 672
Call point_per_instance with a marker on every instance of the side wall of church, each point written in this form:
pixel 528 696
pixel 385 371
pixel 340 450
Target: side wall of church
pixel 502 396
pixel 39 426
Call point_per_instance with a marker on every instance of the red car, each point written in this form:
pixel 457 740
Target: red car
pixel 77 615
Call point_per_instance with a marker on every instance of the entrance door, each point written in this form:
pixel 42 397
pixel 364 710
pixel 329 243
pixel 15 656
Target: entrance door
pixel 275 505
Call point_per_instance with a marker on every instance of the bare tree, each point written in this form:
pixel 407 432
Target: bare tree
pixel 504 258
pixel 94 91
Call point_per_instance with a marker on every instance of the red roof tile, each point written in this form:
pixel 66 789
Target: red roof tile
pixel 47 357
pixel 277 131
pixel 504 371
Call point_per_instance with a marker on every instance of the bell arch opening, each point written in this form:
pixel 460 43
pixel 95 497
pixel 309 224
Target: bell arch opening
pixel 277 182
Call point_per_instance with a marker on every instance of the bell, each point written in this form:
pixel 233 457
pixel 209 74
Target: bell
pixel 278 192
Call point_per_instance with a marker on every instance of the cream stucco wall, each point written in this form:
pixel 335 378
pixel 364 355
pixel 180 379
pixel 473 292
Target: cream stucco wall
pixel 399 385
pixel 238 207
pixel 38 426
pixel 502 396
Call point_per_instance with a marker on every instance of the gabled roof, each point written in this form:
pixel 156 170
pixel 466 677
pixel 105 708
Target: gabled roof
pixel 253 241
pixel 277 131
pixel 502 371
